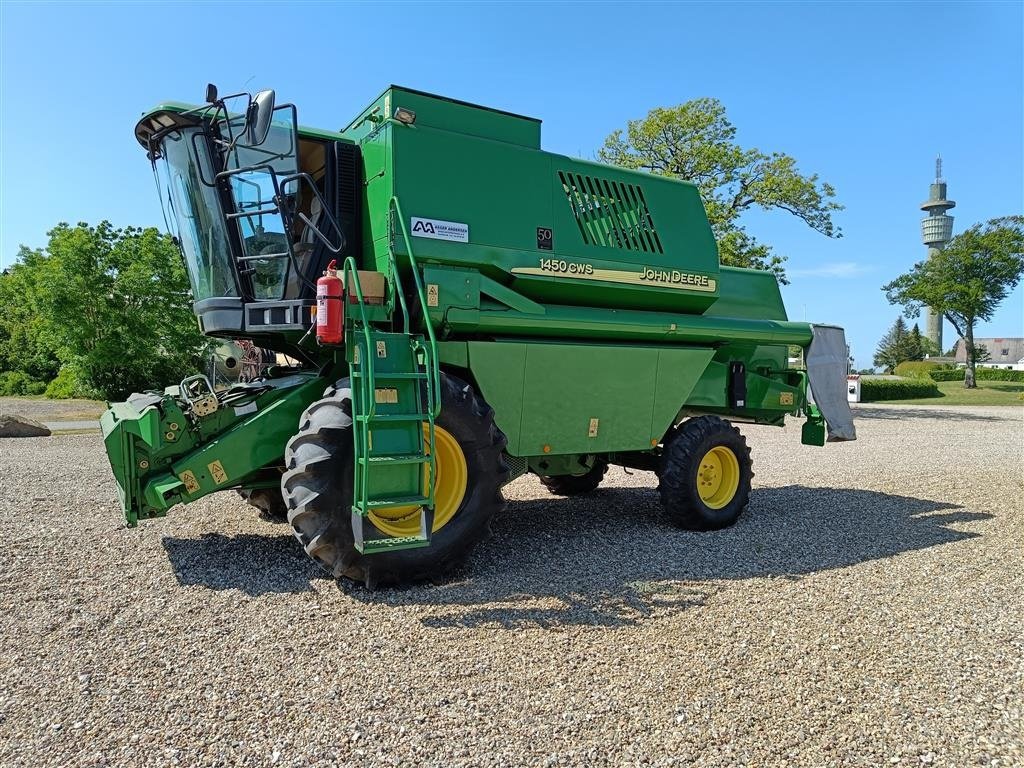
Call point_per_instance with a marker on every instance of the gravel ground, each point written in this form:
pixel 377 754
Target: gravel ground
pixel 866 610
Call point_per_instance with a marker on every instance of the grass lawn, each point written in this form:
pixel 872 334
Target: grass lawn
pixel 987 393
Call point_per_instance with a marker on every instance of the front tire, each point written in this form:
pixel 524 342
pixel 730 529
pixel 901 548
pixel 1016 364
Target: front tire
pixel 268 501
pixel 318 484
pixel 705 474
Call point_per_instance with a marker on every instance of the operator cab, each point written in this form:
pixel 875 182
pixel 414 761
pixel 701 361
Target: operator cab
pixel 258 208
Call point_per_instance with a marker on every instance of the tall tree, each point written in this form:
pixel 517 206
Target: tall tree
pixel 915 344
pixel 894 347
pixel 695 141
pixel 112 304
pixel 967 280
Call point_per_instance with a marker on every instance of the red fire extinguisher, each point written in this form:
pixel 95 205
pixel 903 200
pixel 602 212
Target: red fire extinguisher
pixel 329 306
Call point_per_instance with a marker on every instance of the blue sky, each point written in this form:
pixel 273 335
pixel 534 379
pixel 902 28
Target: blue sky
pixel 863 94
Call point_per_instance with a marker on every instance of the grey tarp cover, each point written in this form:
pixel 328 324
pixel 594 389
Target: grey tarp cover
pixel 826 373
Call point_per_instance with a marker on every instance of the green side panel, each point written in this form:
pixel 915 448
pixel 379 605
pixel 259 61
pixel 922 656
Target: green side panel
pixel 606 248
pixel 376 172
pixel 547 396
pixel 748 293
pixel 492 187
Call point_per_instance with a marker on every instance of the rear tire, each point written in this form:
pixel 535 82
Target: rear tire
pixel 317 488
pixel 576 485
pixel 705 474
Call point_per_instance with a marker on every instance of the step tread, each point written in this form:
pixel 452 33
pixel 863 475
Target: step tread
pixel 396 458
pixel 385 376
pixel 372 546
pixel 396 501
pixel 392 417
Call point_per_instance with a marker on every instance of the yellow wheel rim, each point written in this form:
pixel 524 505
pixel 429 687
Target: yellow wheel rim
pixel 449 489
pixel 718 477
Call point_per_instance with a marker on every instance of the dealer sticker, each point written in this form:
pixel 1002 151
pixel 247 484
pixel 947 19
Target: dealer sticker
pixel 440 230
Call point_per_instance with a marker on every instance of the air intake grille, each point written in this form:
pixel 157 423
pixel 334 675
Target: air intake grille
pixel 610 213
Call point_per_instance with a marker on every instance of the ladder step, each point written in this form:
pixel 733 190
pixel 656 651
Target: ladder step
pixel 396 501
pixel 391 376
pixel 397 458
pixel 392 417
pixel 374 546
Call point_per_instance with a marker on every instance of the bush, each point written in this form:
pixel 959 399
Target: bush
pixel 919 369
pixel 14 383
pixel 873 390
pixel 67 385
pixel 999 374
pixel 950 374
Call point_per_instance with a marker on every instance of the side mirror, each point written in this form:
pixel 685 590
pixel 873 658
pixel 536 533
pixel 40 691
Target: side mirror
pixel 259 117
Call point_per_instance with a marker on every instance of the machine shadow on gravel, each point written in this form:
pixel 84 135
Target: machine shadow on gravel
pixel 610 559
pixel 252 564
pixel 951 413
pixel 606 559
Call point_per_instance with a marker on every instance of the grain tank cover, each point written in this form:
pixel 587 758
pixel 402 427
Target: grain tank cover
pixel 448 115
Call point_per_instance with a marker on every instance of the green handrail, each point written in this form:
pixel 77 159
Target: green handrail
pixel 359 438
pixel 434 370
pixel 349 268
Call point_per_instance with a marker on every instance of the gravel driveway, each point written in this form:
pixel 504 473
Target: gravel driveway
pixel 868 609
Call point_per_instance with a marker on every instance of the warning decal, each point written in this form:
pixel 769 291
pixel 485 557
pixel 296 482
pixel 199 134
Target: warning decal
pixel 188 477
pixel 217 472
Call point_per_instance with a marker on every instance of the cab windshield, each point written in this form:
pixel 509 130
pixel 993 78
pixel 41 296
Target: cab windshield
pixel 194 215
pixel 194 207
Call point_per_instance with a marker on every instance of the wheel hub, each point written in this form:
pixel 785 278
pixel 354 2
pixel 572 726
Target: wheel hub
pixel 718 477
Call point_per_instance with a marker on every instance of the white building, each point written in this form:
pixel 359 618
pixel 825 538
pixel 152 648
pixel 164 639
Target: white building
pixel 1005 353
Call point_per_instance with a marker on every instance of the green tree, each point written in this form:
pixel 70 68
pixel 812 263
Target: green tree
pixel 695 141
pixel 113 305
pixel 915 344
pixel 928 347
pixel 23 346
pixel 967 280
pixel 894 348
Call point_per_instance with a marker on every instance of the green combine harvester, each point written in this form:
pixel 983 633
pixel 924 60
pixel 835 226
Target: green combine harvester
pixel 464 308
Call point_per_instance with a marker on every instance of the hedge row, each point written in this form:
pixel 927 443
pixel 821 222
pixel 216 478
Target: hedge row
pixel 999 374
pixel 919 369
pixel 872 390
pixel 949 374
pixel 982 374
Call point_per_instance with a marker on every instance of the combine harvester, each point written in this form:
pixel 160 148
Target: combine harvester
pixel 466 308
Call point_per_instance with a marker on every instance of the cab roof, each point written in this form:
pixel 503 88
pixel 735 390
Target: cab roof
pixel 173 113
